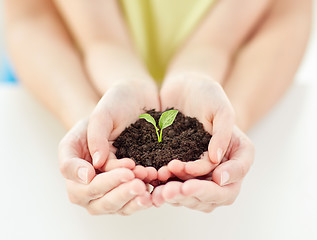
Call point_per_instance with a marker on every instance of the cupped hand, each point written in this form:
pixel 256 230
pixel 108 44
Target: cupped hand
pixel 115 191
pixel 201 97
pixel 118 108
pixel 221 187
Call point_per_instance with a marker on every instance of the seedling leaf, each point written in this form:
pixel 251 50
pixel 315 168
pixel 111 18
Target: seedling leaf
pixel 151 120
pixel 167 118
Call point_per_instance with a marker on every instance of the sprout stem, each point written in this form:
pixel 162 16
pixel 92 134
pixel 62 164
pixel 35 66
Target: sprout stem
pixel 158 136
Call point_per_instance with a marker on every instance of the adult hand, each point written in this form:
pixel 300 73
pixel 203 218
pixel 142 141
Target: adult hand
pixel 205 195
pixel 116 191
pixel 201 97
pixel 119 107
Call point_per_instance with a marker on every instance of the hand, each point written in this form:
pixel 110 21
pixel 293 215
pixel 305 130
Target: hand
pixel 205 195
pixel 198 96
pixel 118 108
pixel 116 191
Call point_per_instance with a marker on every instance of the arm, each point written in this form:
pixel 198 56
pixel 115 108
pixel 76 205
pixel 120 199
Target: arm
pixel 269 58
pixel 46 61
pixel 52 67
pixel 194 78
pixel 210 49
pixel 107 50
pixel 115 70
pixel 257 55
pixel 266 65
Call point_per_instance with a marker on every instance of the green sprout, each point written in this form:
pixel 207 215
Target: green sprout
pixel 167 118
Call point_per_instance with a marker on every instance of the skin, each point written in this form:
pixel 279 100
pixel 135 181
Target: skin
pixel 114 191
pixel 205 195
pixel 233 73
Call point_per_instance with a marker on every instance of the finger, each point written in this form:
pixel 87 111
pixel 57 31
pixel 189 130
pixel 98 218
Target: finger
pixel 113 163
pixel 163 174
pixel 117 198
pixel 157 197
pixel 239 163
pixel 77 170
pixel 188 201
pixel 206 208
pixel 151 174
pixel 82 194
pixel 205 191
pixel 140 172
pixel 221 134
pixel 177 168
pixel 171 190
pixel 99 129
pixel 199 167
pixel 72 164
pixel 105 182
pixel 136 204
pixel 173 194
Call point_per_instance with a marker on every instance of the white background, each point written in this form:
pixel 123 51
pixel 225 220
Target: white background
pixel 277 201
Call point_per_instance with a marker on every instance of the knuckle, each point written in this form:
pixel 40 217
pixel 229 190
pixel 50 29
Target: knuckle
pixel 109 207
pixel 230 201
pixel 228 113
pixel 123 213
pixel 193 205
pixel 243 169
pixel 93 193
pixel 209 209
pixel 93 212
pixel 62 143
pixel 73 199
pixel 63 166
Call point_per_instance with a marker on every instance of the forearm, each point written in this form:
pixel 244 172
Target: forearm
pixel 110 64
pixel 105 43
pixel 210 49
pixel 205 61
pixel 47 63
pixel 265 67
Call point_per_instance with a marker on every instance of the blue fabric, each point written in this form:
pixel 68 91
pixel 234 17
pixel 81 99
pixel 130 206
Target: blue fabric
pixel 6 71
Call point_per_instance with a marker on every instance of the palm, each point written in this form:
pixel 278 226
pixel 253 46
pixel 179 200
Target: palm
pixel 204 99
pixel 203 194
pixel 118 108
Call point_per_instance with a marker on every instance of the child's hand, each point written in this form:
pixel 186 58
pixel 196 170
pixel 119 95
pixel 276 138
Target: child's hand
pixel 116 191
pixel 206 195
pixel 118 108
pixel 198 96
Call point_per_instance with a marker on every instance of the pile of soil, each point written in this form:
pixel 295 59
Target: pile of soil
pixel 184 140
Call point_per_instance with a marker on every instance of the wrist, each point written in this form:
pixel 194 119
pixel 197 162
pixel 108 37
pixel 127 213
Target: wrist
pixel 203 60
pixel 110 64
pixel 182 82
pixel 242 117
pixel 72 112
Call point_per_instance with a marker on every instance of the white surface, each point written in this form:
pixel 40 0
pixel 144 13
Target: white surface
pixel 277 201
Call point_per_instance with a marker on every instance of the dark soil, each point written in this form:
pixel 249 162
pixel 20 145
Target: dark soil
pixel 184 140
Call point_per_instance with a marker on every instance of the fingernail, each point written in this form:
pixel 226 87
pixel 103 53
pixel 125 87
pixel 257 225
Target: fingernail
pixel 224 178
pixel 96 158
pixel 83 174
pixel 219 154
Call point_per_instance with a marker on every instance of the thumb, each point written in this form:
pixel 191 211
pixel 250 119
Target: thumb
pixel 99 129
pixel 223 123
pixel 73 164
